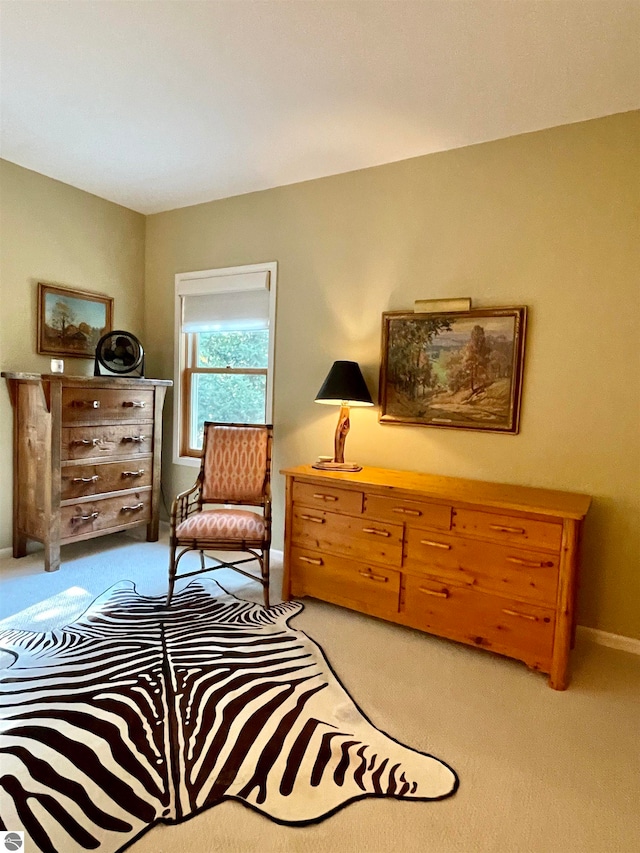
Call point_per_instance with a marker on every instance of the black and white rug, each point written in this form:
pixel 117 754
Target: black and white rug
pixel 137 713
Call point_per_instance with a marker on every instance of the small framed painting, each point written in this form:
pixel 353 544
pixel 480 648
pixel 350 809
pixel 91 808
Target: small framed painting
pixel 71 322
pixel 459 369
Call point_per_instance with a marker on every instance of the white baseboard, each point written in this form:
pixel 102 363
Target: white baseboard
pixel 613 641
pixel 5 552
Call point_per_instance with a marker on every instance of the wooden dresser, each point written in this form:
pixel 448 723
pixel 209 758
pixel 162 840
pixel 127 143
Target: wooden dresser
pixel 86 458
pixel 491 565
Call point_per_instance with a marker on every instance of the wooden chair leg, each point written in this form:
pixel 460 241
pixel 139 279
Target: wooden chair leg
pixel 172 573
pixel 264 568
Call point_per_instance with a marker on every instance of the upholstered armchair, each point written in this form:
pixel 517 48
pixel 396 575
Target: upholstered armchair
pixel 235 472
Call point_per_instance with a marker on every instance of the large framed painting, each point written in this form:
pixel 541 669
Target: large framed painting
pixel 458 369
pixel 71 322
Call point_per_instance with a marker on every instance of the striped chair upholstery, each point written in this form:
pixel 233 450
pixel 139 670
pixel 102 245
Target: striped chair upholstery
pixel 224 524
pixel 234 466
pixel 235 473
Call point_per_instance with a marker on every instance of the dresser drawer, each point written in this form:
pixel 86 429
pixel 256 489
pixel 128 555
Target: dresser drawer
pixel 433 515
pixel 99 405
pixel 519 630
pixel 369 589
pixel 351 536
pixel 527 532
pixel 328 497
pixel 495 568
pixel 80 480
pixel 93 442
pixel 104 513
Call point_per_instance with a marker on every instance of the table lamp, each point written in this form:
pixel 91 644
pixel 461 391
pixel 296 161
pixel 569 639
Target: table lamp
pixel 344 387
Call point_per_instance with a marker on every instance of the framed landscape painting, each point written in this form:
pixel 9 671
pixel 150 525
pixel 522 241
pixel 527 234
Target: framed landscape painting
pixel 458 369
pixel 71 322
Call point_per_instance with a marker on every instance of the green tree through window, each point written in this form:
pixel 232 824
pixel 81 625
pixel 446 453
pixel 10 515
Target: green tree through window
pixel 229 379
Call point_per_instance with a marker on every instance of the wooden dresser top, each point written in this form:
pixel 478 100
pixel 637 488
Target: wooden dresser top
pixel 453 489
pixel 86 381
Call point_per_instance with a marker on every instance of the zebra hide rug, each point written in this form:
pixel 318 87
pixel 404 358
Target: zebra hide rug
pixel 137 714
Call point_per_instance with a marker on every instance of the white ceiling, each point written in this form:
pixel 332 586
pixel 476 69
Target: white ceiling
pixel 157 105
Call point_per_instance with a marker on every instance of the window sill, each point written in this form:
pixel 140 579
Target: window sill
pixel 188 461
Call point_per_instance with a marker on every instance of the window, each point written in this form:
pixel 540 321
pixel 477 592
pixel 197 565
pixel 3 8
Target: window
pixel 224 351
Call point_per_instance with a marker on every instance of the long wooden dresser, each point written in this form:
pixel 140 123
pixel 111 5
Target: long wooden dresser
pixel 86 458
pixel 488 564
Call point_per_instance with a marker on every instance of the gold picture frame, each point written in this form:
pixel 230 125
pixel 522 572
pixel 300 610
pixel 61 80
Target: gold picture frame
pixel 71 322
pixel 459 369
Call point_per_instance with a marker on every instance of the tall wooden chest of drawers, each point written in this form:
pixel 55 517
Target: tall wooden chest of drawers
pixel 491 565
pixel 86 458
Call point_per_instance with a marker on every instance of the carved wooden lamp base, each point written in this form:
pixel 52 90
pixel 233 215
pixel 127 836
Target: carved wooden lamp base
pixel 338 463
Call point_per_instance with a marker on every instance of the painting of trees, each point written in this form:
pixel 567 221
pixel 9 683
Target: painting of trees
pixel 460 369
pixel 409 362
pixel 61 317
pixel 71 322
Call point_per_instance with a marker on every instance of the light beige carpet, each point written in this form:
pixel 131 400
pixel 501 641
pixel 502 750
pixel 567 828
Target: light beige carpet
pixel 540 771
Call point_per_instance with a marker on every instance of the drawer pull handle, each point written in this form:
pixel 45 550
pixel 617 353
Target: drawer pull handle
pixel 136 438
pixel 75 519
pixel 439 593
pixel 404 511
pixel 315 561
pixel 87 442
pixel 93 479
pixel 313 518
pixel 532 564
pixel 134 508
pixel 433 544
pixel 375 532
pixel 521 615
pixel 88 404
pixel 502 529
pixel 133 473
pixel 371 577
pixel 322 497
pixel 134 404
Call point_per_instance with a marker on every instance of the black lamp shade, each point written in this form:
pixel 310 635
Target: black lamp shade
pixel 344 385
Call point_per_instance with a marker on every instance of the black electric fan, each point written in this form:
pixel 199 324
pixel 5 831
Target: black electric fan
pixel 119 353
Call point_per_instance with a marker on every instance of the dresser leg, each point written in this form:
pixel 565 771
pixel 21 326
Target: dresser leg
pixel 19 545
pixel 559 681
pixel 51 558
pixel 153 531
pixel 559 675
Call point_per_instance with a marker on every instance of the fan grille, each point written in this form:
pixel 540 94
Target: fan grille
pixel 119 352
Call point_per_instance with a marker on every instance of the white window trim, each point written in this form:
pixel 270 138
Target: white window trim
pixel 194 284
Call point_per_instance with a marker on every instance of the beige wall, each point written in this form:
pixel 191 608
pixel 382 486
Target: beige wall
pixel 52 232
pixel 548 220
